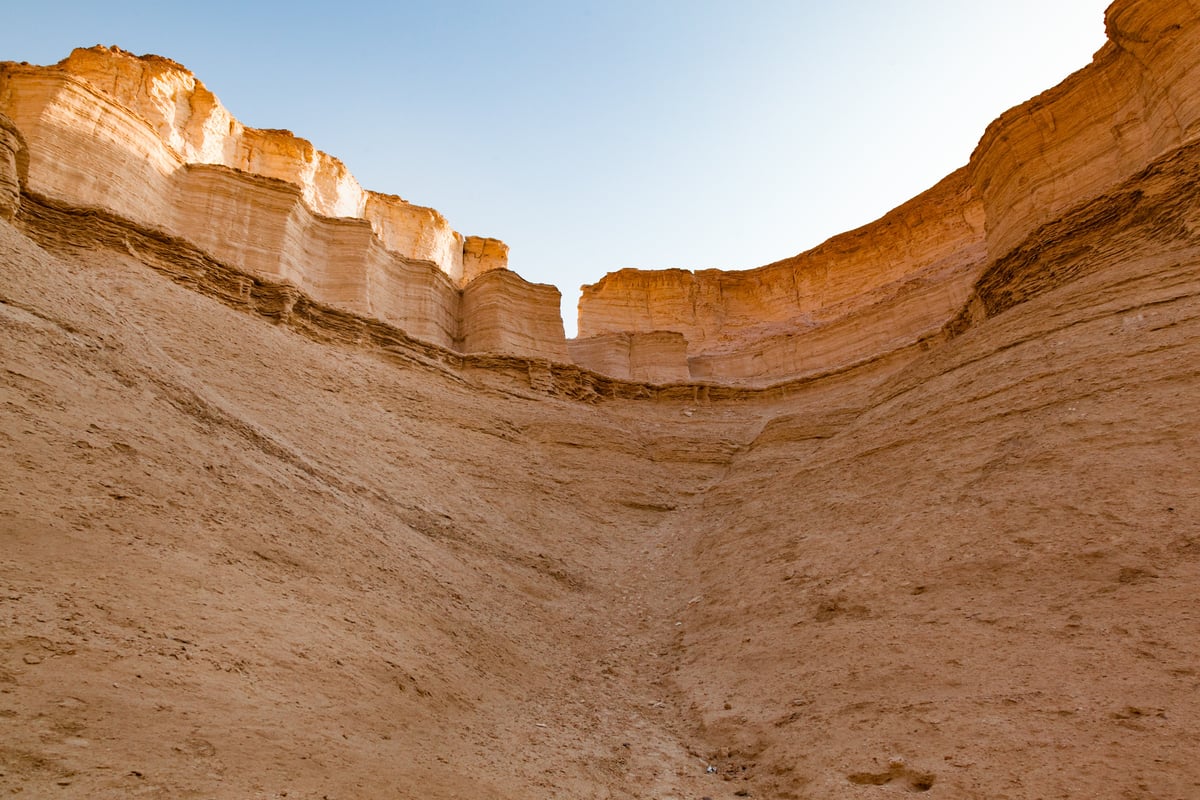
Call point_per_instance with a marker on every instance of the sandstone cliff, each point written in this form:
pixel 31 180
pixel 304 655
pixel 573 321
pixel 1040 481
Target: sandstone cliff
pixel 143 138
pixel 14 167
pixel 972 571
pixel 898 280
pixel 859 294
pixel 1138 99
pixel 651 357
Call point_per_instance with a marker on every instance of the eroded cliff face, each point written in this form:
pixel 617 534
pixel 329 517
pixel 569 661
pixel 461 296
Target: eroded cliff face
pixel 143 138
pixel 14 167
pixel 856 296
pixel 652 357
pixel 898 280
pixel 1137 100
pixel 971 570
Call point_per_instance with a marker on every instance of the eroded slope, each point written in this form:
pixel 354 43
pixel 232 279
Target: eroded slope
pixel 984 585
pixel 238 562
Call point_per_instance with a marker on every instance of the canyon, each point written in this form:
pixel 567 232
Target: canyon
pixel 304 493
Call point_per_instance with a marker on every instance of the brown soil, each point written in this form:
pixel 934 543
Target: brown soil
pixel 243 559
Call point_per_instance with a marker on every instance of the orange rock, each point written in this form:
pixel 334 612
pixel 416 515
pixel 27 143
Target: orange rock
pixel 14 167
pixel 142 137
pixel 503 313
pixel 482 255
pixel 896 281
pixel 653 357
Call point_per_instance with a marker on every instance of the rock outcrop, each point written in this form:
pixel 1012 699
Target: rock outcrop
pixel 862 293
pixel 143 138
pixel 14 167
pixel 1139 98
pixel 502 313
pixel 898 280
pixel 651 357
pixel 480 255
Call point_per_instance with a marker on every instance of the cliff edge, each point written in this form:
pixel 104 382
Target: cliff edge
pixel 143 138
pixel 898 280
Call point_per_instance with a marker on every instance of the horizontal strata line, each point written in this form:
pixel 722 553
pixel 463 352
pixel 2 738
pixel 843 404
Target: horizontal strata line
pixel 959 403
pixel 1021 412
pixel 60 226
pixel 1040 335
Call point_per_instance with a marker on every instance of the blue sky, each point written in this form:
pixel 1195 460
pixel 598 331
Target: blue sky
pixel 593 136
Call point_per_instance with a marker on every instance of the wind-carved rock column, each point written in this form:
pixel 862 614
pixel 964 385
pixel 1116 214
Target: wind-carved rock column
pixel 14 167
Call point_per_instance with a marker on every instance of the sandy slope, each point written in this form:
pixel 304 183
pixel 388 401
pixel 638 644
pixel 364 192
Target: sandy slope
pixel 985 584
pixel 239 562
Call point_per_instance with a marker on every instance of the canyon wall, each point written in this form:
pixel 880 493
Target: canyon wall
pixel 1138 99
pixel 501 312
pixel 900 279
pixel 14 167
pixel 649 357
pixel 143 138
pixel 763 325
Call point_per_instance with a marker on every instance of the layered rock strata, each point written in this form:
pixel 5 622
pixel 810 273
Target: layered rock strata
pixel 859 294
pixel 1138 99
pixel 14 167
pixel 143 138
pixel 652 357
pixel 897 280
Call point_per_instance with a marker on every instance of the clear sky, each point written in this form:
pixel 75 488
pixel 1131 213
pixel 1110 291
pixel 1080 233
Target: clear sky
pixel 592 136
